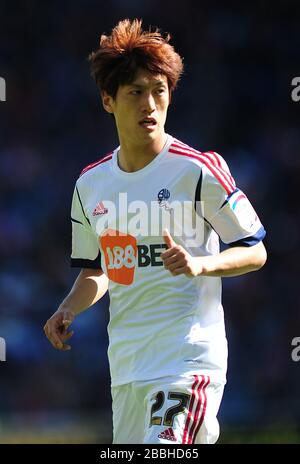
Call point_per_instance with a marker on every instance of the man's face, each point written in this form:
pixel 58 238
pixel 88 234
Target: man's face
pixel 140 108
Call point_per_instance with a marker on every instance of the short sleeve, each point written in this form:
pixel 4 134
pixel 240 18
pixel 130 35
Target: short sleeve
pixel 226 208
pixel 85 248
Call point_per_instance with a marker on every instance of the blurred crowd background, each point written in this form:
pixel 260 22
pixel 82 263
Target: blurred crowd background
pixel 234 98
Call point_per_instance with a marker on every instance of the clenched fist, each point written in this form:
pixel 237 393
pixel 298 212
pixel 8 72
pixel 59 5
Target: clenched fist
pixel 177 260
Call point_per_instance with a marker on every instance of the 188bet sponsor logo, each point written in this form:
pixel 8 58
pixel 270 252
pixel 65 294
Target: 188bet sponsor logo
pixel 122 254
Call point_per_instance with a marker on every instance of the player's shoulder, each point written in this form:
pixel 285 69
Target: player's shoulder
pixel 189 154
pixel 97 166
pixel 212 165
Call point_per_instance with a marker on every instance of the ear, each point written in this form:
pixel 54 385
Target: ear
pixel 107 101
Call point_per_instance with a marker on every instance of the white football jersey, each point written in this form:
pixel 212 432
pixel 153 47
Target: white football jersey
pixel 161 325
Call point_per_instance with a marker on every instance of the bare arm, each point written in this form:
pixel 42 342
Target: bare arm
pixel 231 262
pixel 88 288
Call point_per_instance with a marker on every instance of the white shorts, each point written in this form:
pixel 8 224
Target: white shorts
pixel 169 410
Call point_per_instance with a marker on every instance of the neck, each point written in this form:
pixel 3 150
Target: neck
pixel 133 157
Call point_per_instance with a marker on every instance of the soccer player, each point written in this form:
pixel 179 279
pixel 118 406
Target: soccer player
pixel 167 342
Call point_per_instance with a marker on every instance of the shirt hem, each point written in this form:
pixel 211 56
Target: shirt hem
pixel 214 376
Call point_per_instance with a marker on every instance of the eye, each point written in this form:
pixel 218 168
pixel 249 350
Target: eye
pixel 135 92
pixel 160 91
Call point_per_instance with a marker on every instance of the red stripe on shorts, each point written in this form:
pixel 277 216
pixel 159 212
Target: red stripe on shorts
pixel 197 385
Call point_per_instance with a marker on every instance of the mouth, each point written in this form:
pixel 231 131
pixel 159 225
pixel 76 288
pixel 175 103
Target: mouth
pixel 148 123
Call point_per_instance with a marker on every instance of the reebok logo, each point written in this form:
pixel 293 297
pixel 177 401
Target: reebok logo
pixel 168 434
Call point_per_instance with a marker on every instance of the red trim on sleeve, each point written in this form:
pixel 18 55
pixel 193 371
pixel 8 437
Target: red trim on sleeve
pixel 211 161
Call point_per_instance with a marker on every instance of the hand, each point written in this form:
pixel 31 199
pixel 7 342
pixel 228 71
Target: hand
pixel 56 329
pixel 177 260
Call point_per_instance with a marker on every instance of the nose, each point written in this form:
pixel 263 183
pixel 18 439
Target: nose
pixel 148 103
